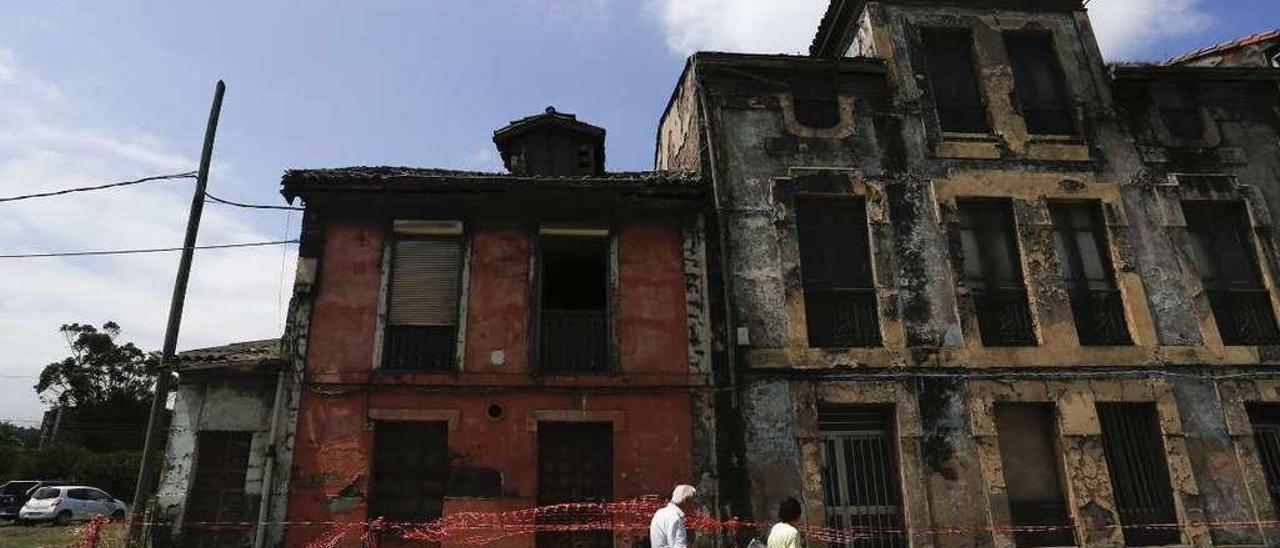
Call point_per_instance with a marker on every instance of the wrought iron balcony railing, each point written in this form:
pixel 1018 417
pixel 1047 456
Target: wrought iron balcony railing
pixel 842 318
pixel 419 348
pixel 1100 317
pixel 1004 317
pixel 574 341
pixel 1245 317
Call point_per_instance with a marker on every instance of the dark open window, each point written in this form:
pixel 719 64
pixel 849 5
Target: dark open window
pixel 1135 455
pixel 1029 458
pixel 993 273
pixel 1265 418
pixel 860 474
pixel 816 103
pixel 410 470
pixel 835 260
pixel 422 297
pixel 1222 247
pixel 574 329
pixel 1081 239
pixel 953 81
pixel 575 465
pixel 1040 84
pixel 1179 109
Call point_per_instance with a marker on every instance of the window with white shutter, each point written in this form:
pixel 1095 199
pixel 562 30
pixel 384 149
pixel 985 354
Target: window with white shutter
pixel 422 296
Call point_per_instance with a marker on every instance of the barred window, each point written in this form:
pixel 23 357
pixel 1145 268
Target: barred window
pixel 1080 237
pixel 1222 247
pixel 835 260
pixel 993 273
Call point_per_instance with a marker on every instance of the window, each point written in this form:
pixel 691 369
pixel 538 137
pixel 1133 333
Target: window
pixel 1139 474
pixel 1040 84
pixel 835 261
pixel 860 473
pixel 1266 434
pixel 575 464
pixel 574 328
pixel 993 273
pixel 948 57
pixel 217 493
pixel 1029 458
pixel 1179 110
pixel 1222 248
pixel 816 103
pixel 422 296
pixel 1080 236
pixel 410 470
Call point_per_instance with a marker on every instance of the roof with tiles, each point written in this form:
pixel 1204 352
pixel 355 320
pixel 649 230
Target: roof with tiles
pixel 246 354
pixel 297 181
pixel 1264 36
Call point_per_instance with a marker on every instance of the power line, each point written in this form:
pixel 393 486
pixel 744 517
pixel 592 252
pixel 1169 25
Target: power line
pixel 184 175
pixel 138 251
pixel 251 206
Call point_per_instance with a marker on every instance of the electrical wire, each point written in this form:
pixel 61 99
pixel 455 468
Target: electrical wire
pixel 250 206
pixel 138 251
pixel 184 175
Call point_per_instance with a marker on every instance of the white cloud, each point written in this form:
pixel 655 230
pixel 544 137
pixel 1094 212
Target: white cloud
pixel 1125 28
pixel 234 294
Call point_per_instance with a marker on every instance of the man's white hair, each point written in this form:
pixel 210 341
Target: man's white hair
pixel 682 494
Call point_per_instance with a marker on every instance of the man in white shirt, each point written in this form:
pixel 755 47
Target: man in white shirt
pixel 666 530
pixel 784 533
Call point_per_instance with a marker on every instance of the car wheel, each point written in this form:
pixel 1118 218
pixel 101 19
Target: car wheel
pixel 63 518
pixel 117 515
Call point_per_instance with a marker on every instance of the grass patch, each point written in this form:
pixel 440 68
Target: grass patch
pixel 52 536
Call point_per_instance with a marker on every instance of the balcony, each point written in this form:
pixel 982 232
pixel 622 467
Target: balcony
pixel 1100 318
pixel 1004 317
pixel 574 341
pixel 1245 317
pixel 842 318
pixel 415 348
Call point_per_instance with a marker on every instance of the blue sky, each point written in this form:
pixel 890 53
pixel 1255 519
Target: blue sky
pixel 95 92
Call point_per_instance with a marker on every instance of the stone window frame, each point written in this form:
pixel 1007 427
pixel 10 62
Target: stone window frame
pixel 843 129
pixel 1235 396
pixel 1030 194
pixel 908 450
pixel 1169 197
pixel 1090 499
pixel 880 245
pixel 1009 135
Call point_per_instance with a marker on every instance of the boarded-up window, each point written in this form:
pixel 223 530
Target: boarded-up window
pixel 422 297
pixel 993 273
pixel 1139 473
pixel 575 464
pixel 1222 247
pixel 953 81
pixel 1266 435
pixel 217 494
pixel 1081 239
pixel 1040 84
pixel 860 474
pixel 574 328
pixel 410 470
pixel 835 260
pixel 1029 458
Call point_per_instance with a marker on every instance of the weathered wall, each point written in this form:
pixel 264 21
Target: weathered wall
pixel 498 302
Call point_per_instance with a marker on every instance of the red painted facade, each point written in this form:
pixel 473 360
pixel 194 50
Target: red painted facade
pixel 647 400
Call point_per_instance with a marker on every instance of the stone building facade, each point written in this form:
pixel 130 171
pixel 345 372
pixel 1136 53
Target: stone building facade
pixel 976 287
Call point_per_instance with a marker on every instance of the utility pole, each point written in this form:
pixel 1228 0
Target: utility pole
pixel 152 449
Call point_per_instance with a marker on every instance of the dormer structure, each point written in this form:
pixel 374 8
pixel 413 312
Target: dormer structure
pixel 551 144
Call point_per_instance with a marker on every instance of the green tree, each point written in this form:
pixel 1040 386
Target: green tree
pixel 21 437
pixel 100 370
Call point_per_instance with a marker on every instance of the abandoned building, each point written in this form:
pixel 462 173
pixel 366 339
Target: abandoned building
pixel 949 279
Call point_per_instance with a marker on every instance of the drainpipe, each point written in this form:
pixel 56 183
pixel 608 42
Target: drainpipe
pixel 260 535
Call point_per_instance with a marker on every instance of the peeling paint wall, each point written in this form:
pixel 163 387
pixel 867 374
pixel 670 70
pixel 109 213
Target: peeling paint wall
pixel 888 150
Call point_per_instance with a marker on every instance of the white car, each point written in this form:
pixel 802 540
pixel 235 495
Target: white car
pixel 66 503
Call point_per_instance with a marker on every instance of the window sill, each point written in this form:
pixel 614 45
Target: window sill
pixel 1058 148
pixel 968 146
